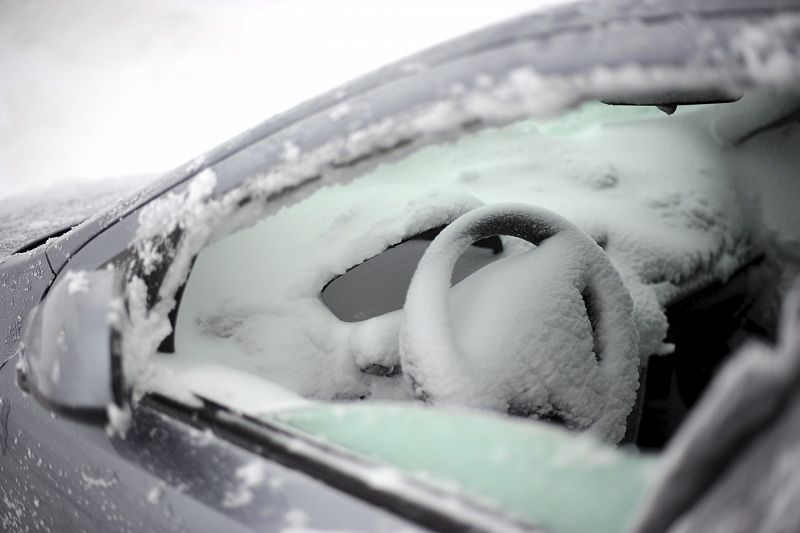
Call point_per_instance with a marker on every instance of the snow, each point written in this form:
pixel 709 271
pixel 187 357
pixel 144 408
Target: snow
pixel 248 478
pixel 174 210
pixel 339 112
pixel 77 281
pixel 119 420
pixel 155 494
pixel 291 152
pixel 687 232
pixel 515 336
pixel 660 194
pixel 246 324
pixel 383 477
pixel 238 390
pixel 296 518
pixel 373 343
pixel 97 478
pixel 156 222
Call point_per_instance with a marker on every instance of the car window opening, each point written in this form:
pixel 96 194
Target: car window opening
pixel 322 353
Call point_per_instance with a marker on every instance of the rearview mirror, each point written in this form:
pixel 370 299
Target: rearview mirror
pixel 68 358
pixel 669 100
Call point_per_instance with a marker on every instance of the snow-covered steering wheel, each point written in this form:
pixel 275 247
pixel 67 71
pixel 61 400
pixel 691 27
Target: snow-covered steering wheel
pixel 549 332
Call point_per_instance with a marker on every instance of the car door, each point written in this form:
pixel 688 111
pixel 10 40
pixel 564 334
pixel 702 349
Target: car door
pixel 170 471
pixel 165 474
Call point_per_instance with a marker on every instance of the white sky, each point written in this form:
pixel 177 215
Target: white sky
pixel 92 89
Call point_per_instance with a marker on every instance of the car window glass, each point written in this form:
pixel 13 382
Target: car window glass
pixel 536 473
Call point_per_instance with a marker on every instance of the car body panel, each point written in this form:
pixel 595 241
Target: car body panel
pixel 163 475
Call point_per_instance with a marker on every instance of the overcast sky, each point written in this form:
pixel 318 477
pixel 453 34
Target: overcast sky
pixel 92 89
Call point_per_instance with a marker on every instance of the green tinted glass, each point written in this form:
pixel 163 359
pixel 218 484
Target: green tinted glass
pixel 532 471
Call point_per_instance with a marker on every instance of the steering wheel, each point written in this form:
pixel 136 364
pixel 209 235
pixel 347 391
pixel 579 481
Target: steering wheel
pixel 548 333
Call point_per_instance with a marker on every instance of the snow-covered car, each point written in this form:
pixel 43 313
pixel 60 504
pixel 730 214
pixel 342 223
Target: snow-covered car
pixel 491 287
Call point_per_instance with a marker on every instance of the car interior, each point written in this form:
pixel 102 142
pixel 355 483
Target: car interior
pixel 708 316
pixel 691 204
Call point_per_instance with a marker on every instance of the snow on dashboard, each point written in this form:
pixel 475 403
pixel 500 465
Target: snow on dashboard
pixel 673 206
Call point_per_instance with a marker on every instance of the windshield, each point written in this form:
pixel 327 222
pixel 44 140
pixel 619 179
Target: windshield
pixel 551 271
